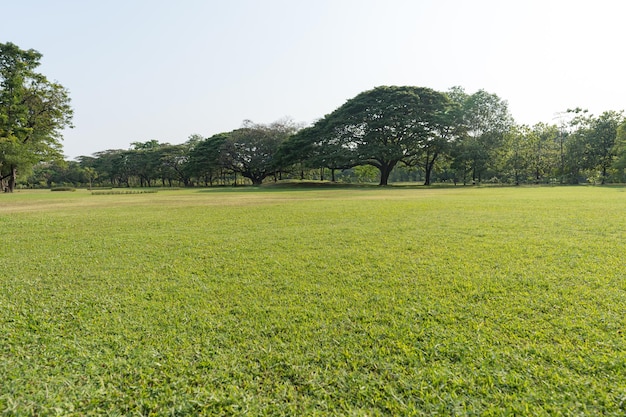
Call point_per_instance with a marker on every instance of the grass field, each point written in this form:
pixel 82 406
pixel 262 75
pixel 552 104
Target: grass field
pixel 357 302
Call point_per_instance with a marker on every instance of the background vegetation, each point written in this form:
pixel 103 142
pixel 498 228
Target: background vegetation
pixel 389 133
pixel 470 139
pixel 319 301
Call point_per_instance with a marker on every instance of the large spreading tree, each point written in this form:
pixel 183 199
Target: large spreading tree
pixel 254 150
pixel 33 112
pixel 388 125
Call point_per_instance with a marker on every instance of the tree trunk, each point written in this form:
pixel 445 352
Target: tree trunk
pixel 385 170
pixel 12 179
pixel 427 172
pixel 428 169
pixel 332 174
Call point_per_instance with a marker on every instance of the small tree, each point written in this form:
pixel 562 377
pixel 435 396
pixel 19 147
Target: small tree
pixel 91 174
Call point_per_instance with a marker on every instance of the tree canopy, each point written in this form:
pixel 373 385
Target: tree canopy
pixel 381 127
pixel 485 120
pixel 254 150
pixel 33 111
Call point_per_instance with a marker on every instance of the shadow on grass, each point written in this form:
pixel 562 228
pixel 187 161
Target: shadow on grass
pixel 292 185
pixel 295 185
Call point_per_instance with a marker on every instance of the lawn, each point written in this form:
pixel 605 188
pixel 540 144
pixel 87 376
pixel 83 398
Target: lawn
pixel 319 301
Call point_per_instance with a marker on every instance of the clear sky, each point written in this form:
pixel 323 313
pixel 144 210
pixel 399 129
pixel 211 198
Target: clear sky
pixel 139 70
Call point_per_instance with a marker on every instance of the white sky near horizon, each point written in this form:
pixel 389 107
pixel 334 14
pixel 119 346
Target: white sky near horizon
pixel 139 70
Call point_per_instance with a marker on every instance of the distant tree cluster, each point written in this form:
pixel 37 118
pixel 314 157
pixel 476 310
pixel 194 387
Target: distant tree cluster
pixel 252 152
pixel 386 134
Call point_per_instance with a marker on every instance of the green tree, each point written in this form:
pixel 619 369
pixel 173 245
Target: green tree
pixel 57 172
pixel 544 151
pixel 174 161
pixel 33 112
pixel 254 150
pixel 603 138
pixel 530 154
pixel 591 146
pixel 485 120
pixel 205 158
pixel 387 125
pixel 90 174
pixel 515 155
pixel 444 132
pixel 320 146
pixel 619 150
pixel 144 161
pixel 366 173
pixel 110 166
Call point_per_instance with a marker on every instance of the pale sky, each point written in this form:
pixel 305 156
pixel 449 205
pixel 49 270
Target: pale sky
pixel 139 70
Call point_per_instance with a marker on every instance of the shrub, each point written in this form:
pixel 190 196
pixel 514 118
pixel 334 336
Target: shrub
pixel 115 192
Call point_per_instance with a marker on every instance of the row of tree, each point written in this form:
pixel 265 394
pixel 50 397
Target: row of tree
pixel 401 133
pixel 387 133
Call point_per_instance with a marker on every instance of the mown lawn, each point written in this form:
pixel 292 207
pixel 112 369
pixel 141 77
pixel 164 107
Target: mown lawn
pixel 396 301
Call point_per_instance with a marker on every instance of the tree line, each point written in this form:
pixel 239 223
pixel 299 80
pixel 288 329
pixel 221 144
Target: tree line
pixel 386 134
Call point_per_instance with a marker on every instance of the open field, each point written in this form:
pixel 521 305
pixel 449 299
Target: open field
pixel 365 301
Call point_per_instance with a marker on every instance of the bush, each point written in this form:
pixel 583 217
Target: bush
pixel 115 192
pixel 63 189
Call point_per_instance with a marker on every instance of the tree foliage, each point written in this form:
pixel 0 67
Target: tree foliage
pixel 254 150
pixel 530 154
pixel 380 127
pixel 320 146
pixel 619 150
pixel 205 158
pixel 591 147
pixel 485 120
pixel 33 111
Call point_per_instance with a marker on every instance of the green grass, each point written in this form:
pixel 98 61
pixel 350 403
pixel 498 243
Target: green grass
pixel 323 301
